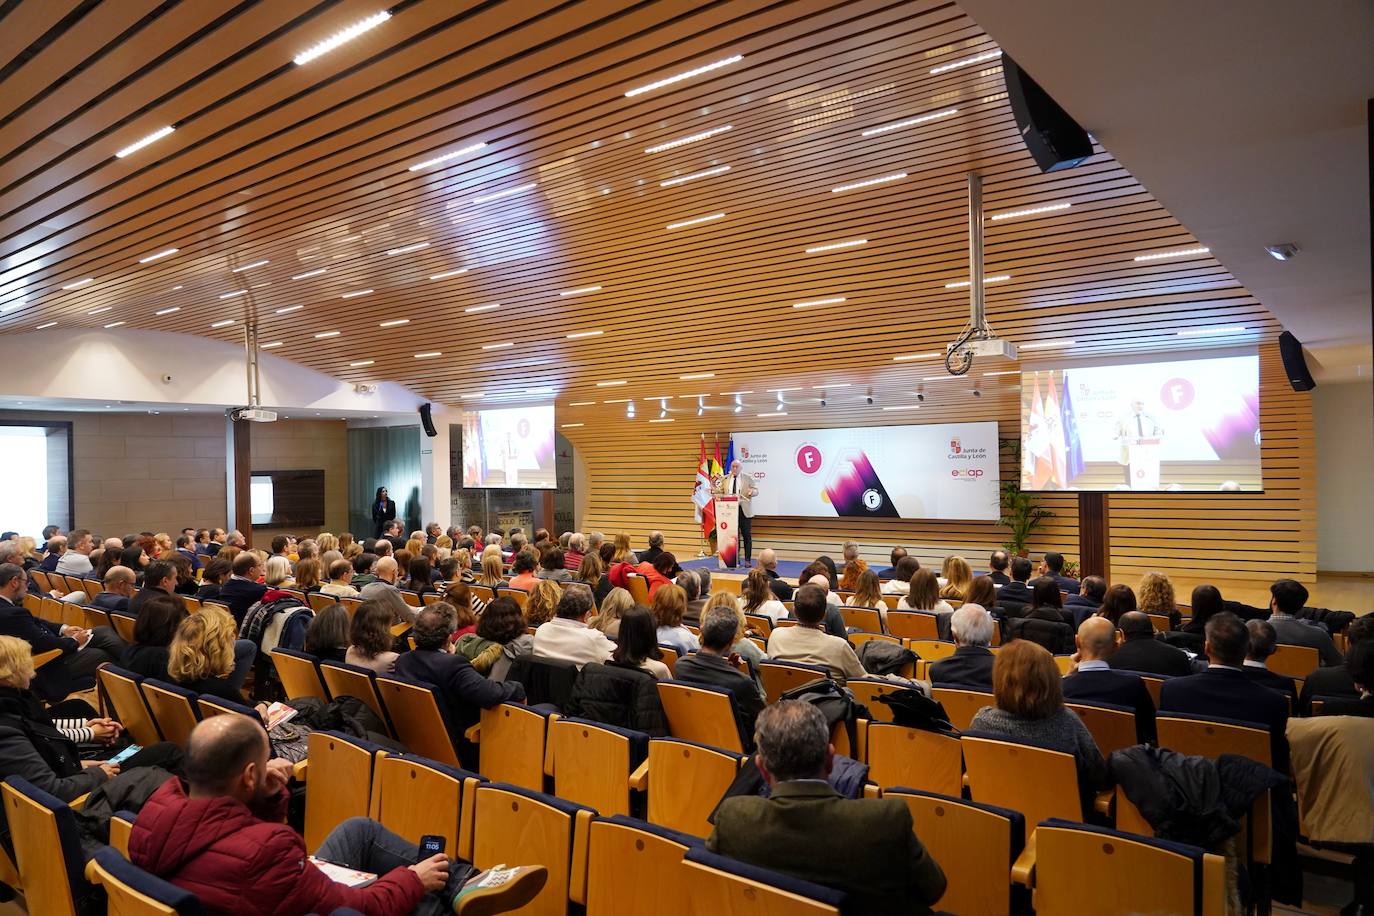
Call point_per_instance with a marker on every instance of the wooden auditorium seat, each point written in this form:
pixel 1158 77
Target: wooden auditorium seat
pixel 700 713
pixel 630 862
pixel 512 743
pixel 685 781
pixel 416 713
pixel 173 709
pixel 47 849
pixel 517 825
pixel 338 776
pixel 724 885
pixel 779 677
pixel 412 797
pixel 131 891
pixel 299 674
pixel 594 764
pixel 923 760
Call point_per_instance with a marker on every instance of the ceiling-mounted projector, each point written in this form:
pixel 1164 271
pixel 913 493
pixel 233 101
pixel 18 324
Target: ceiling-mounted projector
pixel 253 414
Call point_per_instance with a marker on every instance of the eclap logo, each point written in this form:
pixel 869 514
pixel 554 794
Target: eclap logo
pixel 808 458
pixel 970 473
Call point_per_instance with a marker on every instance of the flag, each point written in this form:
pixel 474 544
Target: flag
pixel 701 494
pixel 716 469
pixel 1038 440
pixel 1054 422
pixel 1073 459
pixel 729 454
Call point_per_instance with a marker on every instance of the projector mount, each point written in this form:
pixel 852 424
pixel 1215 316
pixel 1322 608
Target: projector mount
pixel 977 338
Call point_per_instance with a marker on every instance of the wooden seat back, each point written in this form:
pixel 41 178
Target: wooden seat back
pixel 513 744
pixel 1210 738
pixel 517 825
pixel 416 720
pixel 351 681
pixel 961 703
pixel 686 781
pixel 780 677
pixel 173 709
pixel 413 797
pixel 866 619
pixel 702 715
pixel 47 848
pixel 628 864
pixel 592 763
pixel 120 688
pixel 914 758
pixel 1294 661
pixel 913 625
pixel 1039 783
pixel 1112 727
pixel 867 691
pixel 298 674
pixel 338 783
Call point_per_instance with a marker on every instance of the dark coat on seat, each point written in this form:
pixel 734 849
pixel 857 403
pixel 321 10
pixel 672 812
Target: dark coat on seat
pixel 1055 635
pixel 618 694
pixel 1150 656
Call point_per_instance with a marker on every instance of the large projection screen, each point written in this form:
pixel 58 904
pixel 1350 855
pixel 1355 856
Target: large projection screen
pixel 510 447
pixel 39 454
pixel 1183 425
pixel 935 471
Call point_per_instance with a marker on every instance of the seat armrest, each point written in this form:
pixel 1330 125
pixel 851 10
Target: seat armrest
pixel 1023 869
pixel 76 804
pixel 1102 801
pixel 299 770
pixel 639 779
pixel 474 733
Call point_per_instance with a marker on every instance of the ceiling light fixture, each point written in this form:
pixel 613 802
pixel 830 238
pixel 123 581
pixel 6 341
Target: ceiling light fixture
pixel 311 273
pixel 896 176
pixel 114 324
pixel 1182 253
pixel 362 362
pixel 579 291
pixel 177 287
pixel 237 292
pixel 159 256
pixel 449 273
pixel 498 346
pixel 582 404
pixel 394 323
pixel 836 246
pixel 1013 214
pixel 44 327
pixel 686 75
pixel 355 293
pixel 342 37
pixel 663 420
pixel 151 138
pixel 693 138
pixel 774 413
pixel 1047 345
pixel 910 357
pixel 617 400
pixel 696 375
pixel 823 387
pixel 223 324
pixel 903 407
pixel 835 301
pixel 781 390
pixel 570 425
pixel 737 393
pixel 912 122
pixel 967 61
pixel 697 221
pixel 578 335
pixel 959 284
pixel 1205 332
pixel 683 179
pixel 323 334
pixel 79 283
pixel 175 308
pixel 239 270
pixel 612 384
pixel 100 311
pixel 286 310
pixel 1285 252
pixel 418 246
pixel 270 346
pixel 446 157
pixel 1002 372
pixel 518 189
pixel 428 355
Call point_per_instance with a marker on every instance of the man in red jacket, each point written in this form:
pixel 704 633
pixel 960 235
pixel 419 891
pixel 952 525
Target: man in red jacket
pixel 225 841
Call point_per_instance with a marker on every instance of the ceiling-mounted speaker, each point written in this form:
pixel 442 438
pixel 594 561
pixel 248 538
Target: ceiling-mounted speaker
pixel 1294 363
pixel 1054 138
pixel 427 421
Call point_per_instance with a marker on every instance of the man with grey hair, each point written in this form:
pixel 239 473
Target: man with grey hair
pixel 714 666
pixel 594 540
pixel 655 547
pixel 865 847
pixel 768 562
pixel 690 583
pixel 850 551
pixel 567 638
pixel 971 664
pixel 118 589
pixel 56 546
pixel 77 560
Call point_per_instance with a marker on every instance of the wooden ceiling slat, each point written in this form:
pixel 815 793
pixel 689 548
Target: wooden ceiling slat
pixel 28 22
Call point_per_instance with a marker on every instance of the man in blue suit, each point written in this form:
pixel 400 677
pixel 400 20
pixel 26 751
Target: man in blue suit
pixel 1224 692
pixel 1094 681
pixel 1053 566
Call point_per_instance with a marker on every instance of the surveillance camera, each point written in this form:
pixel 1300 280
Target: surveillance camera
pixel 869 399
pixel 822 402
pixel 166 378
pixel 977 393
pixel 920 397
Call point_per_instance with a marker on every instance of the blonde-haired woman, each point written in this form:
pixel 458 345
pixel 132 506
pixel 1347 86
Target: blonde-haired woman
pixel 492 575
pixel 277 573
pixel 542 603
pixel 1156 596
pixel 613 607
pixel 327 542
pixel 958 577
pixel 623 553
pixel 206 657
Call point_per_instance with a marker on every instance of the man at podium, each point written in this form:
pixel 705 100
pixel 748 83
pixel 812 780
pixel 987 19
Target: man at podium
pixel 1139 433
pixel 738 483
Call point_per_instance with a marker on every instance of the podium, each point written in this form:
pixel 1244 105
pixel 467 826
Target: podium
pixel 1143 461
pixel 727 531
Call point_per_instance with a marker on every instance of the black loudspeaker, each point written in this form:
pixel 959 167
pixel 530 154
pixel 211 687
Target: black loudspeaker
pixel 1294 363
pixel 427 421
pixel 1053 137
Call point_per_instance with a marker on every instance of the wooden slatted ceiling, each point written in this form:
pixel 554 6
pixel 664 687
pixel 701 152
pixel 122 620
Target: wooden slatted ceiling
pixel 308 168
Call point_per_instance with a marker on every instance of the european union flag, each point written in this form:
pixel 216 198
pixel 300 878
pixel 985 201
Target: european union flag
pixel 1073 461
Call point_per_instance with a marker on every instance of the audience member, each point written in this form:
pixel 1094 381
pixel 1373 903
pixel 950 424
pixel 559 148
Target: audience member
pixel 611 611
pixel 83 651
pixel 982 591
pixel 363 565
pixel 1093 680
pixel 923 594
pixel 326 637
pixel 893 558
pixel 1016 591
pixel 567 638
pixel 53 550
pixel 808 642
pixel 277 572
pixel 849 578
pixel 655 547
pixel 242 589
pixel 868 593
pixel 369 637
pixel 308 575
pixel 340 584
pixel 768 562
pixel 204 655
pixel 577 549
pixel 1052 565
pixel 638 643
pixel 690 583
pixel 418 578
pixel 1287 598
pixel 1359 663
pixel 1118 602
pixel 1027 689
pixel 159 578
pixel 592 572
pixel 623 553
pixel 542 604
pixel 76 560
pixel 1206 601
pixel 500 638
pixel 154 631
pixel 1263 643
pixel 957 576
pixel 757 596
pixel 713 665
pixel 1141 652
pixel 1046 601
pixel 553 565
pixel 118 589
pixel 870 848
pixel 902 573
pixel 1224 691
pixel 998 563
pixel 523 568
pixel 1087 601
pixel 1157 597
pixel 971 664
pixel 1336 681
pixel 669 605
pixel 385 592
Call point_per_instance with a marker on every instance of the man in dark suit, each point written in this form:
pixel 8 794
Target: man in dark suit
pixel 1017 591
pixel 465 692
pixel 82 650
pixel 1263 642
pixel 186 546
pixel 159 578
pixel 242 589
pixel 392 533
pixel 1335 681
pixel 711 666
pixel 971 664
pixel 1144 654
pixel 1088 601
pixel 1053 566
pixel 118 589
pixel 1093 680
pixel 997 567
pixel 1359 661
pixel 1223 691
pixel 655 547
pixel 864 847
pixel 768 561
pixel 1287 598
pixel 891 571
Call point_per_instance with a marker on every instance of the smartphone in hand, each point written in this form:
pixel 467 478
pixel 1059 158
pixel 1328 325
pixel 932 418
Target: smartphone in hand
pixel 431 844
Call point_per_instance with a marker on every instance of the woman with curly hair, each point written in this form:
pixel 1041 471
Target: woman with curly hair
pixel 1156 596
pixel 201 656
pixel 541 605
pixel 500 639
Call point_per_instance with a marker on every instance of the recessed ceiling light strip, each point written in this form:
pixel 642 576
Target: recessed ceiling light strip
pixel 686 75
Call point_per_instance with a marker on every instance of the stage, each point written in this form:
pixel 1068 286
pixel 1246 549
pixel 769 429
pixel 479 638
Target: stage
pixel 788 569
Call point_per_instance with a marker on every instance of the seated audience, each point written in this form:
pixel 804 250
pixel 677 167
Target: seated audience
pixel 277 572
pixel 522 567
pixel 500 638
pixel 212 579
pixel 660 572
pixel 743 646
pixel 1263 643
pixel 957 576
pixel 154 630
pixel 1359 663
pixel 690 583
pixel 1157 597
pixel 160 578
pixel 362 567
pixel 307 575
pixel 1016 591
pixel 868 593
pixel 76 561
pixel 242 589
pixel 1087 601
pixel 340 584
pixel 890 571
pixel 1223 690
pixel 757 596
pixel 491 570
pixel 971 664
pixel 1046 601
pixel 1118 602
pixel 1052 565
pixel 369 637
pixel 923 594
pixel 186 583
pixel 612 609
pixel 982 592
pixel 768 562
pixel 1141 652
pixel 849 579
pixel 205 656
pixel 118 589
pixel 1093 680
pixel 866 847
pixel 1206 601
pixel 669 605
pixel 567 638
pixel 542 604
pixel 385 592
pixel 225 832
pixel 1336 681
pixel 713 665
pixel 52 552
pixel 326 637
pixel 638 643
pixel 902 571
pixel 808 642
pixel 998 563
pixel 83 651
pixel 553 565
pixel 623 553
pixel 419 579
pixel 577 549
pixel 462 598
pixel 1027 689
pixel 1287 598
pixel 592 571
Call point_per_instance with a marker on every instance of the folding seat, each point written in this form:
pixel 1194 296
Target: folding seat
pixel 865 619
pixel 344 680
pixel 173 708
pixel 779 677
pixel 121 689
pixel 701 713
pixel 413 797
pixel 724 885
pixel 338 776
pixel 131 891
pixel 867 690
pixel 685 781
pixel 418 720
pixel 1113 727
pixel 47 849
pixel 517 826
pixel 924 760
pixel 299 674
pixel 208 706
pixel 595 764
pixel 961 703
pixel 512 742
pixel 630 862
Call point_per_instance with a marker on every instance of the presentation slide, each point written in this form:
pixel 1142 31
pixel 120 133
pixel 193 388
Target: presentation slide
pixel 38 454
pixel 1182 425
pixel 508 448
pixel 944 471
